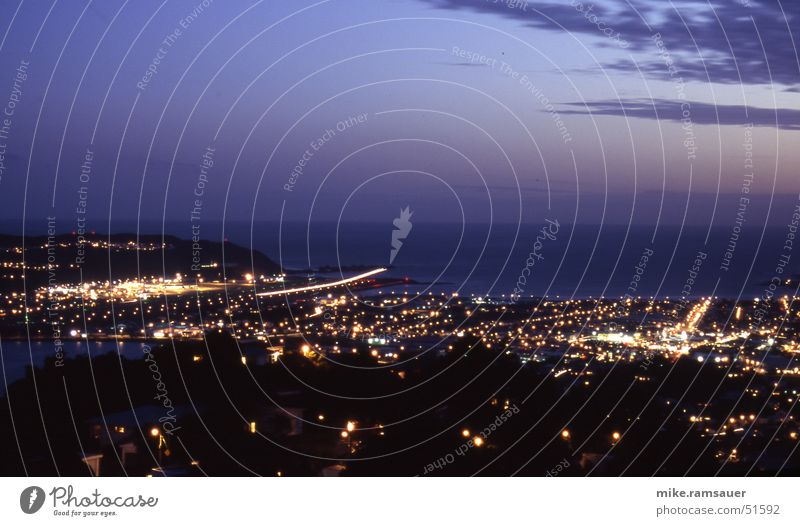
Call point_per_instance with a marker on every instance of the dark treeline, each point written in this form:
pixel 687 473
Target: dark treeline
pixel 409 418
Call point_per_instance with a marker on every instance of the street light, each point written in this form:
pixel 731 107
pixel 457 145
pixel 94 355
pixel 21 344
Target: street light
pixel 347 433
pixel 155 432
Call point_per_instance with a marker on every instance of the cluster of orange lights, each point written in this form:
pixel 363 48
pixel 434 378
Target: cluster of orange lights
pixel 478 441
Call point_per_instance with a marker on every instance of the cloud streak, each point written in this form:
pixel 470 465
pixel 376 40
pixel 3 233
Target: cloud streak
pixel 735 41
pixel 701 113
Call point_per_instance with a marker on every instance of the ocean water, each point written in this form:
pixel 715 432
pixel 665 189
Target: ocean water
pixel 480 259
pixel 565 261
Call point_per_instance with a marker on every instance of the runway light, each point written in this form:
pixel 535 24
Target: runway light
pixel 478 441
pixel 465 433
pixel 324 285
pixel 565 434
pixel 154 432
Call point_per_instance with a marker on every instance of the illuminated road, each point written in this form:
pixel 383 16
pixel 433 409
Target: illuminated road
pixel 324 285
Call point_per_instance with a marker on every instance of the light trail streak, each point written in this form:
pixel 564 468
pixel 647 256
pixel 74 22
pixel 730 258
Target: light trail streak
pixel 323 285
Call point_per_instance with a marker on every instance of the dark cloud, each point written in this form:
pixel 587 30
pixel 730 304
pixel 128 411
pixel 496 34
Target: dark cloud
pixel 700 113
pixel 727 41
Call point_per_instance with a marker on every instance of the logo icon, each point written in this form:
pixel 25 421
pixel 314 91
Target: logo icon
pixel 31 499
pixel 402 227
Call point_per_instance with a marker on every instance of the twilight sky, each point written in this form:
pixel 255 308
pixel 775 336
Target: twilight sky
pixel 475 110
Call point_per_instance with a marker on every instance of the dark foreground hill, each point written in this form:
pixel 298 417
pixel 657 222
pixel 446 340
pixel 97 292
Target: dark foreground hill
pixel 68 258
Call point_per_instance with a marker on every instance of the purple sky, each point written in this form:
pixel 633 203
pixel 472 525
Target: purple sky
pixel 477 109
